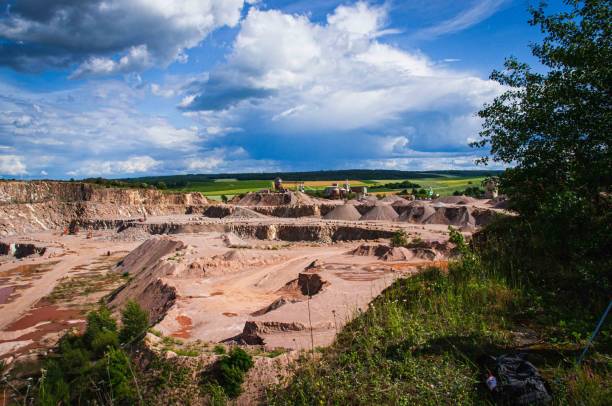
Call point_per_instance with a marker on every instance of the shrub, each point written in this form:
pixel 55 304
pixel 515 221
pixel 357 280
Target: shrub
pixel 135 322
pixel 231 370
pixel 97 322
pixel 399 239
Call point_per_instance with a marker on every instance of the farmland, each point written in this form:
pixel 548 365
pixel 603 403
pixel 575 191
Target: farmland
pixel 215 188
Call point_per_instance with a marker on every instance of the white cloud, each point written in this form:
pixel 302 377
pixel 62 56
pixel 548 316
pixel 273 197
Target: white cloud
pixel 135 164
pixel 289 76
pixel 12 165
pixel 481 10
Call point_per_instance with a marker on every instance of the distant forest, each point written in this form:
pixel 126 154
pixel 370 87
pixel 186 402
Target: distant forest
pixel 353 174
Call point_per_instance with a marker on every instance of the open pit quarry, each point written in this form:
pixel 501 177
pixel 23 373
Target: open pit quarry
pixel 277 270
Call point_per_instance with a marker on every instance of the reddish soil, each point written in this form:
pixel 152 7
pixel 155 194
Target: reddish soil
pixel 5 293
pixel 185 330
pixel 46 313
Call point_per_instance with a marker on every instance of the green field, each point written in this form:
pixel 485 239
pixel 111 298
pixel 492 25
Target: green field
pixel 214 188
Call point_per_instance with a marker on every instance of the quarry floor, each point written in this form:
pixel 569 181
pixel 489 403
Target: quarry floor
pixel 42 297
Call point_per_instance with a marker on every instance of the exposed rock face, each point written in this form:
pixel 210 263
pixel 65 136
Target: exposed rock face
pixel 34 206
pixel 310 283
pixel 21 250
pixel 254 332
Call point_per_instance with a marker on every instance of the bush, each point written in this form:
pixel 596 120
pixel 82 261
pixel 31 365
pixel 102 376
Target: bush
pixel 135 322
pixel 231 370
pixel 399 239
pixel 97 322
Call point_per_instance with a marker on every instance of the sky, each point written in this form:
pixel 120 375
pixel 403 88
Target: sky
pixel 127 88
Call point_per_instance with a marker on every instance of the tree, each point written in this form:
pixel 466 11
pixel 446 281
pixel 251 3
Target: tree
pixel 224 198
pixel 134 323
pixel 554 127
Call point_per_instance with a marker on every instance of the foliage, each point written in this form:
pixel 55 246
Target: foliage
pixel 473 191
pixel 134 323
pixel 396 185
pixel 230 371
pixel 555 127
pixel 420 343
pixel 89 368
pixel 399 239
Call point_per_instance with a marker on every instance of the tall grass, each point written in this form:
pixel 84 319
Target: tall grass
pixel 420 342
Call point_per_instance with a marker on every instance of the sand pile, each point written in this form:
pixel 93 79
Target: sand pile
pixel 276 199
pixel 388 253
pixel 150 252
pixel 244 213
pixel 381 213
pixel 418 212
pixel 452 215
pixel 148 285
pixel 346 212
pixel 456 200
pixel 392 199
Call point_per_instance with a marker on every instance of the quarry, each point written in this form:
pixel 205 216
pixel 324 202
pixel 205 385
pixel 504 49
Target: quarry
pixel 273 270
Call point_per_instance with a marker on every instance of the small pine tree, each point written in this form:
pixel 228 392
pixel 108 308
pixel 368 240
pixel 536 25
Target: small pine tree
pixel 399 239
pixel 135 322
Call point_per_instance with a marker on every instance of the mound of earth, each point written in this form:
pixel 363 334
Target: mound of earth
pixel 244 213
pixel 418 212
pixel 368 250
pixel 276 199
pixel 381 212
pixel 254 332
pixel 346 212
pixel 148 285
pixel 456 200
pixel 392 199
pixel 149 252
pixel 459 216
pixel 405 254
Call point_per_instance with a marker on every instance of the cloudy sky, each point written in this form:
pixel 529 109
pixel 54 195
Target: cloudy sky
pixel 138 87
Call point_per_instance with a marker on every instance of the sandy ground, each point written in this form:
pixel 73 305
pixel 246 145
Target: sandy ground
pixel 214 306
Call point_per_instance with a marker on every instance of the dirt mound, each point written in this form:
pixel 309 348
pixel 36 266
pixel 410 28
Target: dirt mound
pixel 231 240
pixel 388 253
pixel 405 254
pixel 381 213
pixel 392 199
pixel 456 200
pixel 244 213
pixel 254 332
pixel 276 199
pixel 281 301
pixel 418 212
pixel 346 212
pixel 459 216
pixel 368 250
pixel 150 252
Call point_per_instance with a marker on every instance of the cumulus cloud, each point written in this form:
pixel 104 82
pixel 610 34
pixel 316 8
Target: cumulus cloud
pixel 335 90
pixel 135 164
pixel 12 165
pixel 108 36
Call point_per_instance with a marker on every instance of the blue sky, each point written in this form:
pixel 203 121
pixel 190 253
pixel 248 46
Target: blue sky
pixel 119 88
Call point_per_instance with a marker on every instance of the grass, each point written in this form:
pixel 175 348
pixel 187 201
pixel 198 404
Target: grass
pixel 421 340
pixel 230 187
